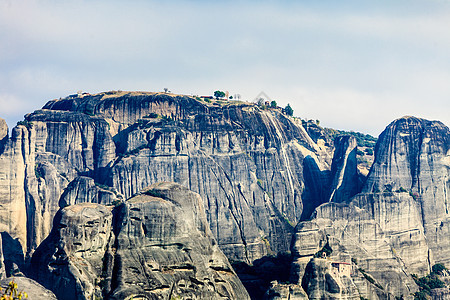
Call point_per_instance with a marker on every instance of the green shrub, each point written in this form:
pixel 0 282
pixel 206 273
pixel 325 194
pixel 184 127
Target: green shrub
pixel 421 295
pixel 288 110
pixel 370 278
pixel 369 151
pixel 260 183
pixel 325 250
pixel 429 282
pixel 152 115
pixel 438 268
pixel 154 193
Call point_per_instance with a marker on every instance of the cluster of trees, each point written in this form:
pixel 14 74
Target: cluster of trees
pixel 429 282
pixel 273 104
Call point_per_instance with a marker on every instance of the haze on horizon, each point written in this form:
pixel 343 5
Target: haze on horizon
pixel 353 65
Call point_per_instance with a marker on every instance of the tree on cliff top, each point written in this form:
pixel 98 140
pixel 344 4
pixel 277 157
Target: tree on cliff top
pixel 219 94
pixel 288 110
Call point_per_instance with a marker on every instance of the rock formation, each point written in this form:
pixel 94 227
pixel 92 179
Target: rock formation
pixel 70 262
pixel 263 178
pixel 279 291
pixel 248 164
pixel 160 247
pixel 413 155
pixel 345 182
pixel 398 225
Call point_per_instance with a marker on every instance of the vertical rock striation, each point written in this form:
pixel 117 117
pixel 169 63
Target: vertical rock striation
pixel 414 155
pixel 160 247
pixel 399 224
pixel 72 261
pixel 255 169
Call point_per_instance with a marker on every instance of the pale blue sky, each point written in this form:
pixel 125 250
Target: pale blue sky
pixel 354 65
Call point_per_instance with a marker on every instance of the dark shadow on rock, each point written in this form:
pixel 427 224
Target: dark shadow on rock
pixel 316 187
pixel 12 254
pixel 257 277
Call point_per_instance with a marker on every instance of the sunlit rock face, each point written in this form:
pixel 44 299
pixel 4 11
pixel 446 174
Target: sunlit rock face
pixel 155 245
pixel 414 155
pixel 73 260
pixel 399 224
pixel 255 168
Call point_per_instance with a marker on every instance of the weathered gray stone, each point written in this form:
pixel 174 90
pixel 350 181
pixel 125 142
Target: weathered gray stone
pixel 14 165
pixel 345 181
pixel 83 189
pixel 247 164
pixel 414 154
pixel 280 291
pixel 165 249
pixel 398 225
pixel 72 261
pixel 322 281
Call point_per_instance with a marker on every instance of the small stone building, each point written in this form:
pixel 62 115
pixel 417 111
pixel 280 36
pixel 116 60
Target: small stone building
pixel 341 268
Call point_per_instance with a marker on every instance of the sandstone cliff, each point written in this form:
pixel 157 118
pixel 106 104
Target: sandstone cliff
pixel 156 245
pixel 399 224
pixel 255 169
pixel 258 172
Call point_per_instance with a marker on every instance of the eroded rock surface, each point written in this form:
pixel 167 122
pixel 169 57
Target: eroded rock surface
pixel 73 260
pixel 398 225
pixel 255 169
pixel 160 247
pixel 280 291
pixel 413 155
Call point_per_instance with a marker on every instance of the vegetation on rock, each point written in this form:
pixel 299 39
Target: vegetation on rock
pixel 289 111
pixel 12 292
pixel 429 282
pixel 219 94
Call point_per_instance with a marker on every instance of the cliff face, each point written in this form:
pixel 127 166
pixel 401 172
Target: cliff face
pixel 399 224
pixel 259 174
pixel 254 168
pixel 156 245
pixel 413 155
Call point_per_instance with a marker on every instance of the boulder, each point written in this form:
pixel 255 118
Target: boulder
pixel 155 245
pixel 73 261
pixel 165 249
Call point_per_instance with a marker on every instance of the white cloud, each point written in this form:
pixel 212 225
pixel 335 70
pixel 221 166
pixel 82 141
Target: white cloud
pixel 356 65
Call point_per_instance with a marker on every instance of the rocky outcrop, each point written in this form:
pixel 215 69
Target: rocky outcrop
pixel 165 248
pixel 392 229
pixel 84 190
pixel 73 260
pixel 345 181
pixel 353 233
pixel 280 291
pixel 254 168
pixel 258 172
pixel 15 164
pixel 414 155
pixel 160 247
pixel 323 281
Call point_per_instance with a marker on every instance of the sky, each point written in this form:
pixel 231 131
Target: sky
pixel 353 65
